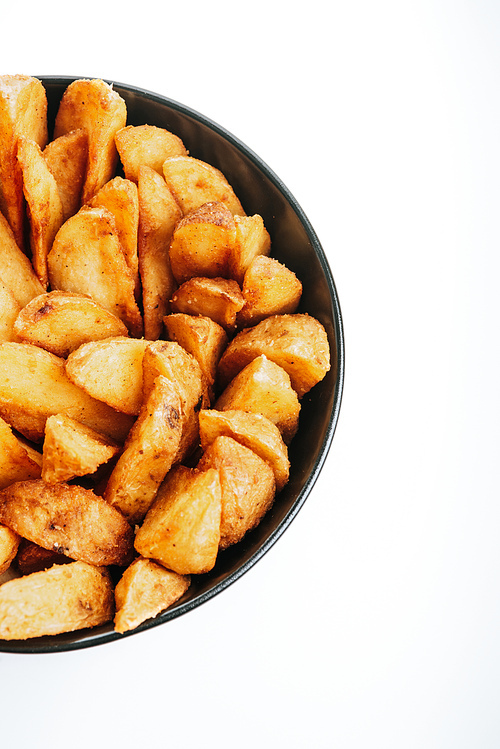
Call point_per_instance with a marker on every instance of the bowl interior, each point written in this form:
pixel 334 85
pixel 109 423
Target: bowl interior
pixel 295 244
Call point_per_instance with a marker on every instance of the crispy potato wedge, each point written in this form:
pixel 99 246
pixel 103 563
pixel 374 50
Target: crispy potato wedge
pixel 61 321
pixel 269 288
pixel 44 205
pixel 110 371
pixel 146 145
pixel 247 487
pixel 66 158
pixel 150 450
pixel 298 343
pixel 251 240
pixel 16 270
pixel 63 598
pixel 194 182
pixel 87 258
pixel 16 462
pixel 220 299
pixel 68 519
pixel 263 387
pixel 32 558
pixel 144 590
pixel 202 243
pixel 23 112
pixel 251 430
pixel 182 528
pixel 34 385
pixel 158 215
pixel 10 309
pixel 9 544
pixel 93 105
pixel 72 449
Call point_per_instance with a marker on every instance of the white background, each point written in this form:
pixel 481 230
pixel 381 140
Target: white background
pixel 374 622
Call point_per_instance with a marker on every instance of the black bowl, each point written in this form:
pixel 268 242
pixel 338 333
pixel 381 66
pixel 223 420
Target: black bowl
pixel 295 244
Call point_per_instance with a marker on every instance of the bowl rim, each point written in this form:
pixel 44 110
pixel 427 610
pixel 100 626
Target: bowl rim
pixel 92 638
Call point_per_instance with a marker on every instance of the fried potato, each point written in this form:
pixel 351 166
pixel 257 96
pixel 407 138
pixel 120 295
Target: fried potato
pixel 34 385
pixel 68 519
pixel 61 599
pixel 66 158
pixel 247 487
pixel 93 105
pixel 251 240
pixel 9 544
pixel 298 343
pixel 23 112
pixel 110 371
pixel 146 145
pixel 220 299
pixel 16 462
pixel 202 243
pixel 10 310
pixel 269 288
pixel 16 270
pixel 251 430
pixel 263 387
pixel 87 258
pixel 72 449
pixel 45 212
pixel 149 452
pixel 61 321
pixel 158 215
pixel 182 528
pixel 194 182
pixel 144 590
pixel 32 558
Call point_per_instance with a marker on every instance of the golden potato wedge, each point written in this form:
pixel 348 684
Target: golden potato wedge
pixel 10 310
pixel 63 598
pixel 34 385
pixel 146 145
pixel 263 387
pixel 298 343
pixel 66 158
pixel 16 270
pixel 150 450
pixel 23 112
pixel 158 215
pixel 93 105
pixel 182 528
pixel 110 371
pixel 68 519
pixel 269 288
pixel 44 205
pixel 32 558
pixel 9 544
pixel 61 321
pixel 194 182
pixel 16 462
pixel 220 299
pixel 87 258
pixel 144 590
pixel 251 430
pixel 202 243
pixel 247 487
pixel 251 240
pixel 72 449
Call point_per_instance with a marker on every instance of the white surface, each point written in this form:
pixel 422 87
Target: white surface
pixel 374 621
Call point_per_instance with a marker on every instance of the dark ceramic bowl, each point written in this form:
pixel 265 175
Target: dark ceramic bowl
pixel 295 244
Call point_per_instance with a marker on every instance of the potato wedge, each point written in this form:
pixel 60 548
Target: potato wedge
pixel 202 243
pixel 32 558
pixel 144 590
pixel 61 321
pixel 182 528
pixel 34 385
pixel 263 387
pixel 63 598
pixel 220 299
pixel 251 240
pixel 150 450
pixel 269 288
pixel 16 463
pixel 110 371
pixel 93 105
pixel 44 205
pixel 146 145
pixel 72 449
pixel 66 158
pixel 16 270
pixel 247 487
pixel 10 310
pixel 158 215
pixel 298 343
pixel 194 182
pixel 9 544
pixel 251 430
pixel 23 112
pixel 87 258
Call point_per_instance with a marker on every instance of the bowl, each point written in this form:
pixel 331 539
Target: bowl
pixel 294 243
